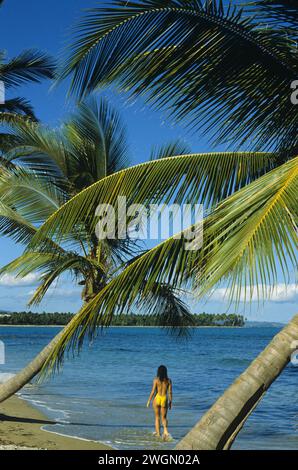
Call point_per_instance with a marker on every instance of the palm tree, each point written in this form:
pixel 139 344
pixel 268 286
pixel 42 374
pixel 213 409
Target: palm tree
pixel 228 72
pixel 43 168
pixel 28 66
pixel 244 229
pixel 242 236
pixel 215 67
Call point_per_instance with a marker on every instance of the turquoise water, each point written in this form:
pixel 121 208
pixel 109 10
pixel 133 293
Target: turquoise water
pixel 102 394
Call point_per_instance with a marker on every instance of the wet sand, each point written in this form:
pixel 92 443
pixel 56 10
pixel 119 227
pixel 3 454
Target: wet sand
pixel 20 429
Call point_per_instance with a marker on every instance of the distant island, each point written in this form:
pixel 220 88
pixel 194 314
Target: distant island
pixel 58 319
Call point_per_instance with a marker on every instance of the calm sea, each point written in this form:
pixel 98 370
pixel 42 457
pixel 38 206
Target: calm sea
pixel 102 394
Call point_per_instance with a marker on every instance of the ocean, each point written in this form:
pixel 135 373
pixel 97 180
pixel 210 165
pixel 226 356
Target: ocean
pixel 102 394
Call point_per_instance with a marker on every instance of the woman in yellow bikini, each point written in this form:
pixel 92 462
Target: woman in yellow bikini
pixel 162 389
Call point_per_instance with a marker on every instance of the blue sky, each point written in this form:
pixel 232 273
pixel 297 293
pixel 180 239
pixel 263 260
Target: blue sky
pixel 46 26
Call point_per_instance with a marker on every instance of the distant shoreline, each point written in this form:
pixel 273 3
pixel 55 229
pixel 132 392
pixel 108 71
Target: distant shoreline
pixel 117 326
pixel 158 327
pixel 124 320
pixel 31 326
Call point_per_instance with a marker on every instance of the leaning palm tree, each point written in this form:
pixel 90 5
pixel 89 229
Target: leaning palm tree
pixel 242 233
pixel 43 168
pixel 227 71
pixel 246 237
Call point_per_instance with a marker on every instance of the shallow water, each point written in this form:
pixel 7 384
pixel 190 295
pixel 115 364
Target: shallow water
pixel 102 395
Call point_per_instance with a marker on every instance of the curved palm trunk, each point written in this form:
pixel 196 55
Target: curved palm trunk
pixel 23 377
pixel 16 383
pixel 219 427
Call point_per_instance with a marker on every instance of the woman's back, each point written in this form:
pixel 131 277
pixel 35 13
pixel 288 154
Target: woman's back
pixel 162 386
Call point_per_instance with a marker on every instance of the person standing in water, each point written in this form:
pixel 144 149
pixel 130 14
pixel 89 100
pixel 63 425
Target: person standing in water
pixel 162 390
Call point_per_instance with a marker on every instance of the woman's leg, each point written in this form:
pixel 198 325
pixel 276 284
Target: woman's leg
pixel 164 412
pixel 157 418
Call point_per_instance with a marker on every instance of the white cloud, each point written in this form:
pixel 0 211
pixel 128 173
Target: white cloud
pixel 9 280
pixel 280 293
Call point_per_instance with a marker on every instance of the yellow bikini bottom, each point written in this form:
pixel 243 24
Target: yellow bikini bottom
pixel 161 400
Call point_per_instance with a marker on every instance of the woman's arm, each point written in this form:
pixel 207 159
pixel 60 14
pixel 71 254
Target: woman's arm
pixel 152 393
pixel 170 394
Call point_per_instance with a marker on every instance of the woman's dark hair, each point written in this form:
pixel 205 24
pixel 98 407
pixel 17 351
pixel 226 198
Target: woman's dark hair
pixel 162 373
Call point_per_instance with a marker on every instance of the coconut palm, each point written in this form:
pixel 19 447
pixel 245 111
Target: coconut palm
pixel 246 237
pixel 43 168
pixel 213 66
pixel 243 232
pixel 221 69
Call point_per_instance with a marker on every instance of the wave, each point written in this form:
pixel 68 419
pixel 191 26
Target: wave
pixel 41 404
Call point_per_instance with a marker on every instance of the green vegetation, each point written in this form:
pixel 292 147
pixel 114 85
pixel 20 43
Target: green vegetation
pixel 201 319
pixel 30 318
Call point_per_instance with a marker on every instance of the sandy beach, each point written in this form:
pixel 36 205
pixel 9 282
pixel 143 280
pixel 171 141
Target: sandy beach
pixel 20 429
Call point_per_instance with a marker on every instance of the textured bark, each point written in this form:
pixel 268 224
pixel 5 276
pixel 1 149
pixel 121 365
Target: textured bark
pixel 220 425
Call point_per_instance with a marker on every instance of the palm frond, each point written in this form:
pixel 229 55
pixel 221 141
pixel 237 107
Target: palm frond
pixel 206 178
pixel 14 225
pixel 29 66
pixel 156 294
pixel 51 266
pixel 168 150
pixel 169 311
pixel 281 12
pixel 252 233
pixel 30 195
pixel 26 200
pixel 244 239
pixel 37 146
pixel 90 145
pixel 18 106
pixel 97 142
pixel 207 64
pixel 10 118
pixel 7 142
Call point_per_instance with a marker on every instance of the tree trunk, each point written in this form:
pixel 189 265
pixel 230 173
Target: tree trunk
pixel 219 426
pixel 23 377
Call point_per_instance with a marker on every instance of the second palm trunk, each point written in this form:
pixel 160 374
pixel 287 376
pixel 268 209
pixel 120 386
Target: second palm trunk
pixel 220 425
